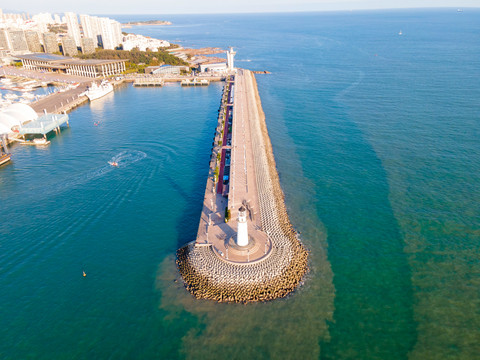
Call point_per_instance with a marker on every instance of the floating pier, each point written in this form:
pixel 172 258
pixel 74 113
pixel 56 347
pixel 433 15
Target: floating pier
pixel 148 81
pixel 195 82
pixel 246 250
pixel 44 124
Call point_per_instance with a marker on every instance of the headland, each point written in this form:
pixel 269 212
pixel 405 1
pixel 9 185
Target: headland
pixel 146 23
pixel 243 182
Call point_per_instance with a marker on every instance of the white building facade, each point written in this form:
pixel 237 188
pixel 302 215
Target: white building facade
pixel 73 27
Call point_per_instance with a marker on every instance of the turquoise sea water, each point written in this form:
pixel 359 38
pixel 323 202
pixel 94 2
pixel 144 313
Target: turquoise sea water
pixel 376 140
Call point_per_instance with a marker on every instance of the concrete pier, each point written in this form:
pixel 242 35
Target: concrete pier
pixel 274 261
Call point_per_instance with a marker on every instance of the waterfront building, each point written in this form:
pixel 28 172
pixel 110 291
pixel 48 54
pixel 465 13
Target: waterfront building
pixel 143 43
pixel 50 43
pixel 67 65
pixel 18 42
pixel 69 47
pixel 73 27
pixel 88 45
pixel 14 116
pixel 216 67
pixel 179 54
pixel 33 41
pixel 169 70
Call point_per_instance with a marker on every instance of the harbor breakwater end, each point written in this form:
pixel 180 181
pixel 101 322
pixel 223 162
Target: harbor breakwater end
pixel 209 274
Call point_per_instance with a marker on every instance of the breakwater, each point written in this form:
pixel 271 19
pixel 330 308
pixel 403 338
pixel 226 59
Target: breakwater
pixel 275 262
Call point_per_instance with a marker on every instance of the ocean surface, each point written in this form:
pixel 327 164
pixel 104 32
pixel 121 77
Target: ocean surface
pixel 376 138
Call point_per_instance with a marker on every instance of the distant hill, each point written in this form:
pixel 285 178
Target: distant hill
pixel 149 22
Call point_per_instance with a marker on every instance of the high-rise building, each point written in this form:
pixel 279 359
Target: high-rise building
pixel 50 43
pixel 73 27
pixel 111 33
pixel 43 20
pixel 117 32
pixel 88 45
pixel 1 15
pixel 33 41
pixel 91 28
pixel 57 19
pixel 69 47
pixel 4 40
pixel 17 40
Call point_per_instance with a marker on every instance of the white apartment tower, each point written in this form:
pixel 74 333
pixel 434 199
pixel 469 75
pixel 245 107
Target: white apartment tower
pixel 91 27
pixel 111 33
pixel 73 27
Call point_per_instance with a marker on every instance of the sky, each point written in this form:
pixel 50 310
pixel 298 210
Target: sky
pixel 221 6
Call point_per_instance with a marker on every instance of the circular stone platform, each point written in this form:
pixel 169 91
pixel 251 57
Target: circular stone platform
pixel 258 248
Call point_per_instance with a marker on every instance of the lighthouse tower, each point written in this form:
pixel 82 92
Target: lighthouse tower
pixel 230 56
pixel 242 231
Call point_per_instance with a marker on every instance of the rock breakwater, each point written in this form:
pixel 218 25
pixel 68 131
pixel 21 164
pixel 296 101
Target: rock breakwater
pixel 208 276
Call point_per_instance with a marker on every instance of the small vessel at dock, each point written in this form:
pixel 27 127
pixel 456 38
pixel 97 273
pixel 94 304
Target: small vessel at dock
pixel 35 141
pixel 4 158
pixel 4 154
pixel 97 91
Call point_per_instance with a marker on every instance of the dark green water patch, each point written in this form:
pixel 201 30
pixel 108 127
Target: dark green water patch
pixel 373 316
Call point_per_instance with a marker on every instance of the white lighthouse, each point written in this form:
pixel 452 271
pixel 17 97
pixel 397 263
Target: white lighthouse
pixel 242 230
pixel 230 56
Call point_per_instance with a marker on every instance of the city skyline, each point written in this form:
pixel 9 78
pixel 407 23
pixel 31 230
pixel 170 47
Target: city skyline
pixel 215 6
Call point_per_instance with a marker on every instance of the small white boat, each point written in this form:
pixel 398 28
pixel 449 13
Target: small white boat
pixel 41 141
pixel 400 33
pixel 36 141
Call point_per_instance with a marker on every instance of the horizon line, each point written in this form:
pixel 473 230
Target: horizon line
pixel 264 12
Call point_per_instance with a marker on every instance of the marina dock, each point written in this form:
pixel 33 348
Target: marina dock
pixel 44 124
pixel 148 81
pixel 242 179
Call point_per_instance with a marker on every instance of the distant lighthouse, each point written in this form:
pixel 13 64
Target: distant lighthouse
pixel 230 56
pixel 242 230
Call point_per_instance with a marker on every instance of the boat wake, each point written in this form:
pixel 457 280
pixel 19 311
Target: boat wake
pixel 121 160
pixel 352 86
pixel 126 158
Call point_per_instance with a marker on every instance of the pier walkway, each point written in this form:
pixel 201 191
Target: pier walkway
pixel 274 262
pixel 242 188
